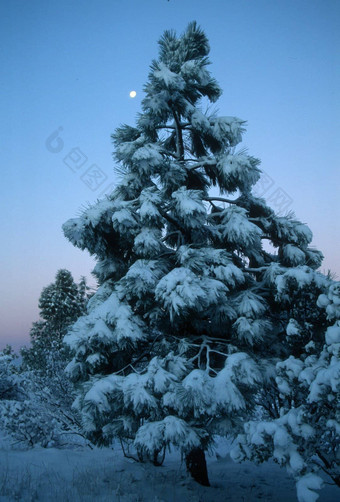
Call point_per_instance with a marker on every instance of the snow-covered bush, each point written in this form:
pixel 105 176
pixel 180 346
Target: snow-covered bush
pixel 306 436
pixel 37 409
pixel 41 418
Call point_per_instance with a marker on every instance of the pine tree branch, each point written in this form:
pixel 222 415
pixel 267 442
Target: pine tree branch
pixel 173 221
pixel 169 219
pixel 255 270
pixel 218 352
pixel 144 354
pixel 201 163
pixel 166 126
pixel 328 467
pixel 214 215
pixel 261 218
pixel 282 242
pixel 171 234
pixel 166 152
pixel 220 199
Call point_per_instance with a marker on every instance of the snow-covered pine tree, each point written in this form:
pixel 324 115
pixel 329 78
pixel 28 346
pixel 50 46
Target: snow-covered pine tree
pixel 60 304
pixel 39 412
pixel 181 339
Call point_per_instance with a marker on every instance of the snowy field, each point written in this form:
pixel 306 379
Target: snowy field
pixel 105 475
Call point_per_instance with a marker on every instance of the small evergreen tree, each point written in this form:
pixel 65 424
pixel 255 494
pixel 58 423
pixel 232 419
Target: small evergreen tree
pixel 182 338
pixel 38 410
pixel 60 304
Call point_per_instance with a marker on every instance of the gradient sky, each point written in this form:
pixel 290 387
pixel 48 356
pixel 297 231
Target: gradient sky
pixel 71 65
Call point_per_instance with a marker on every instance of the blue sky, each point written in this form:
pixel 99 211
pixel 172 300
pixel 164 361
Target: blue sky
pixel 72 64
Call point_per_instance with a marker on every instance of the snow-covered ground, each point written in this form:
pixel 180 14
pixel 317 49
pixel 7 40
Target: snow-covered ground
pixel 105 475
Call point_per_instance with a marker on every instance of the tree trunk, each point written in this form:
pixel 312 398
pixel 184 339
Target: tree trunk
pixel 197 466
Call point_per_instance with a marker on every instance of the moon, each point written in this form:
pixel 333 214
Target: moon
pixel 133 94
